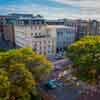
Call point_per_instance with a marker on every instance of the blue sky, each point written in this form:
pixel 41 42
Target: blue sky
pixel 53 8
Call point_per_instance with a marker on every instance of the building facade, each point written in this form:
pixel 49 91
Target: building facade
pixel 33 33
pixel 93 25
pixel 63 35
pixel 45 38
pixel 7 29
pixel 98 28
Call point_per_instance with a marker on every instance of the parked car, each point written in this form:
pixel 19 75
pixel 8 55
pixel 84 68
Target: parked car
pixel 52 84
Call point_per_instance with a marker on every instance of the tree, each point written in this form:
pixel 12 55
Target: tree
pixel 4 85
pixel 85 55
pixel 23 69
pixel 2 50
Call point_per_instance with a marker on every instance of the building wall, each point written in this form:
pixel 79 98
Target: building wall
pixel 35 36
pixel 98 28
pixel 23 36
pixel 39 30
pixel 82 29
pixel 45 46
pixel 93 27
pixel 89 27
pixel 6 29
pixel 63 35
pixel 9 32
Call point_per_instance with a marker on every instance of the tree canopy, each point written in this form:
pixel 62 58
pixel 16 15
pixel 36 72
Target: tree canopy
pixel 2 50
pixel 85 55
pixel 20 72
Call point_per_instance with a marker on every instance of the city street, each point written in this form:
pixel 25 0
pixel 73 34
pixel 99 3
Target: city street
pixel 66 91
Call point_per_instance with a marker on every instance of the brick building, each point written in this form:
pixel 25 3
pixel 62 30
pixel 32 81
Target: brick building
pixel 7 29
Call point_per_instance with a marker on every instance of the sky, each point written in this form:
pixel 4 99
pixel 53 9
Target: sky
pixel 84 9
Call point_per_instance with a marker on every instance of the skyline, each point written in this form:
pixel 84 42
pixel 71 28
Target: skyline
pixel 53 8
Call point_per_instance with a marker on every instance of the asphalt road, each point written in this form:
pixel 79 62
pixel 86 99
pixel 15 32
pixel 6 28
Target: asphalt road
pixel 66 91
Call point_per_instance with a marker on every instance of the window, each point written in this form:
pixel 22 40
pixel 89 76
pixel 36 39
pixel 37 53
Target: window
pixel 44 41
pixel 39 27
pixel 39 34
pixel 22 22
pixel 49 46
pixel 26 22
pixel 35 34
pixel 35 27
pixel 49 41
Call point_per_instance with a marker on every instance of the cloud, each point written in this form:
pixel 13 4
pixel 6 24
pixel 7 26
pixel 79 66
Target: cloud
pixel 89 8
pixel 48 12
pixel 54 8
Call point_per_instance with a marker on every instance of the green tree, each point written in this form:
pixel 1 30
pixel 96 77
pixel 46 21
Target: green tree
pixel 4 85
pixel 85 55
pixel 24 68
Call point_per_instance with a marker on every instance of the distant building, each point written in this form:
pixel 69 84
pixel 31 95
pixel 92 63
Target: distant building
pixel 87 27
pixel 64 36
pixel 98 28
pixel 7 28
pixel 46 37
pixel 93 27
pixel 82 29
pixel 55 22
pixel 15 15
pixel 72 24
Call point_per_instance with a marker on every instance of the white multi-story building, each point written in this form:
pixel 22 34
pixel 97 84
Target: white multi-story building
pixel 44 38
pixel 33 33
